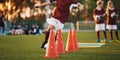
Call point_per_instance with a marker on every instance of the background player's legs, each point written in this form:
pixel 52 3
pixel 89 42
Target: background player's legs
pixel 98 36
pixel 116 33
pixel 111 34
pixel 105 36
pixel 46 38
pixel 104 33
pixel 47 35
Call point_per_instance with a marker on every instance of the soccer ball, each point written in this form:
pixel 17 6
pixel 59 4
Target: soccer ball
pixel 98 17
pixel 114 15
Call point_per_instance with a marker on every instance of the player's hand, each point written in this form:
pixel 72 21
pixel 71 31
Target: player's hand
pixel 98 18
pixel 37 6
pixel 81 7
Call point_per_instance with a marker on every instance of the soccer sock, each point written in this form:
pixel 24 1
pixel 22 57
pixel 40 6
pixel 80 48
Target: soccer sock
pixel 116 33
pixel 98 34
pixel 111 35
pixel 104 34
pixel 46 38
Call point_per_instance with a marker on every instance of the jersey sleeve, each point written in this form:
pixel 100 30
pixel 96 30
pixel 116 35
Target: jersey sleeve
pixel 74 2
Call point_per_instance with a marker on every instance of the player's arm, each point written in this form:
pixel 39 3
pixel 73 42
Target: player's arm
pixel 45 3
pixel 42 5
pixel 80 6
pixel 107 12
pixel 95 15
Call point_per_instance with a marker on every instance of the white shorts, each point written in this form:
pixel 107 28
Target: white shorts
pixel 99 27
pixel 113 27
pixel 56 23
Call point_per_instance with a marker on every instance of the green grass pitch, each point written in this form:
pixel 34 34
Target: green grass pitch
pixel 27 47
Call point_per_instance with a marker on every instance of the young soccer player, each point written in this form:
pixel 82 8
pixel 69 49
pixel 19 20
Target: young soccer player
pixel 60 15
pixel 111 20
pixel 98 15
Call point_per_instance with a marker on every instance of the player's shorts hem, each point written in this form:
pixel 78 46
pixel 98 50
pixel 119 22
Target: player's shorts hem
pixel 113 27
pixel 99 27
pixel 56 23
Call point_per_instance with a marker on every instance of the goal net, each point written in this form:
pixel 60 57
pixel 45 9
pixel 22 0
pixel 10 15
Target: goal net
pixel 68 26
pixel 85 26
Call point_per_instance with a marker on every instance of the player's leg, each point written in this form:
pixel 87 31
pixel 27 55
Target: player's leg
pixel 98 36
pixel 56 36
pixel 109 27
pixel 46 38
pixel 47 35
pixel 97 29
pixel 59 25
pixel 105 36
pixel 111 34
pixel 51 25
pixel 104 32
pixel 116 34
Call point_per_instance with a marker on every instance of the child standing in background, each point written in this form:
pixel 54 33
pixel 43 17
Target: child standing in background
pixel 98 15
pixel 112 20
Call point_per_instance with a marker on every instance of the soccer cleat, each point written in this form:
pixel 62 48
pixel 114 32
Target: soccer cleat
pixel 43 44
pixel 105 40
pixel 44 48
pixel 98 40
pixel 111 41
pixel 117 40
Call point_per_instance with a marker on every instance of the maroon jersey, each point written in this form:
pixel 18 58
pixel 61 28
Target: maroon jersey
pixel 111 20
pixel 99 12
pixel 62 10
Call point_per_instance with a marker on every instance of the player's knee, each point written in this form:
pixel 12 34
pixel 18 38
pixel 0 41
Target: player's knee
pixel 50 27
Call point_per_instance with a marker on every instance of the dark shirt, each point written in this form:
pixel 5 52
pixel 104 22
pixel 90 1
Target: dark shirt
pixel 1 20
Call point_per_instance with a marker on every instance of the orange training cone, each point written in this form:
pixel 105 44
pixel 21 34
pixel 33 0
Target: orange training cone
pixel 59 42
pixel 75 40
pixel 70 43
pixel 51 49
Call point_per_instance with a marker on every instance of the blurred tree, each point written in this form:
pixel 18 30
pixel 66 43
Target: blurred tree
pixel 86 14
